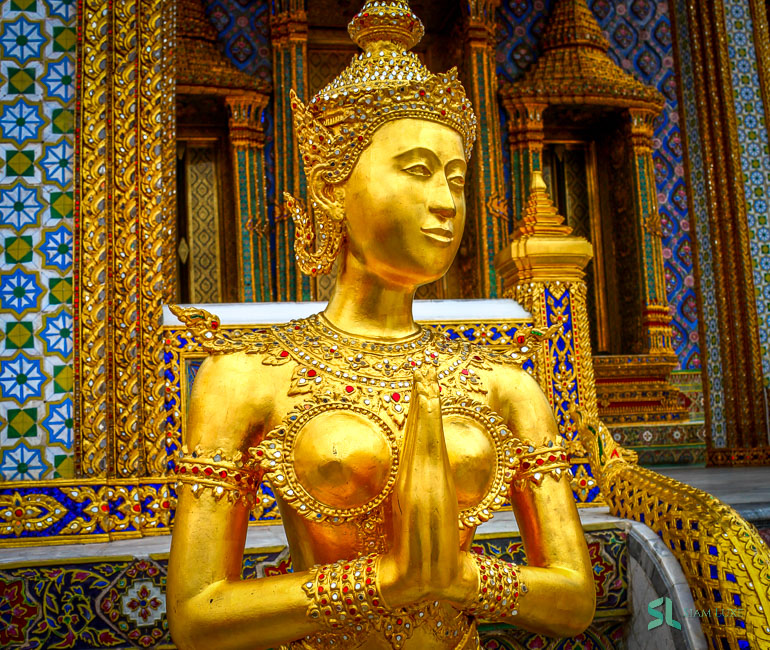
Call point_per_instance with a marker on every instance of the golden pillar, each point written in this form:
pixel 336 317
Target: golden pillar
pixel 543 268
pixel 488 212
pixel 577 90
pixel 247 140
pixel 289 30
pixel 125 207
pixel 526 135
pixel 736 390
pixel 656 319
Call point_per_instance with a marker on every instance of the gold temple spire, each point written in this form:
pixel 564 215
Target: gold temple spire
pixel 541 216
pixel 575 67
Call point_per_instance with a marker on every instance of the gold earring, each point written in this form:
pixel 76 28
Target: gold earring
pixel 315 250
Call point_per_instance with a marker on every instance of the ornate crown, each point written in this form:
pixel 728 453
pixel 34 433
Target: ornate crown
pixel 385 82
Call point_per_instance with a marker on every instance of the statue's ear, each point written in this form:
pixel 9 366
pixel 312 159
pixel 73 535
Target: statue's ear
pixel 329 197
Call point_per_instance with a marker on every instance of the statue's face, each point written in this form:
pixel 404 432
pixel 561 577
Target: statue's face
pixel 405 201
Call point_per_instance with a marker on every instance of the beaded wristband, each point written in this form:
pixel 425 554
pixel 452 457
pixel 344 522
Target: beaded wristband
pixel 499 589
pixel 344 595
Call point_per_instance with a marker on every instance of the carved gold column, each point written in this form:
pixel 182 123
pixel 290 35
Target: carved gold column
pixel 247 140
pixel 656 320
pixel 488 211
pixel 543 268
pixel 288 27
pixel 124 232
pixel 733 377
pixel 525 136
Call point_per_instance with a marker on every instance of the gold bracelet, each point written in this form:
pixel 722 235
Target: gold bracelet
pixel 499 588
pixel 343 598
pixel 235 478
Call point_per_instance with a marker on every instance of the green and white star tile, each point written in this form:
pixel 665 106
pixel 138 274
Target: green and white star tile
pixel 37 87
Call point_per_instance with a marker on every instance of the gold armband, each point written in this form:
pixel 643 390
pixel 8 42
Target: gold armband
pixel 533 464
pixel 215 473
pixel 499 589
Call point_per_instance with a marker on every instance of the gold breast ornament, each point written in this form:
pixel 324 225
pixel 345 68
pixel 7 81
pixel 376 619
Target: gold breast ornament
pixel 368 385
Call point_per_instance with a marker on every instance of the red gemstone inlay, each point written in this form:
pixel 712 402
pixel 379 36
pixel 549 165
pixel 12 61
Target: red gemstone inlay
pixel 539 461
pixel 348 389
pixel 214 325
pixel 195 470
pixel 284 354
pixel 520 339
pixel 396 397
pixel 208 471
pixel 464 371
pixel 105 507
pixel 137 508
pixel 165 505
pixel 18 512
pixel 311 373
pixel 525 465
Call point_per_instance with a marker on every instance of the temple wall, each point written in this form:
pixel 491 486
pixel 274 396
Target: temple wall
pixel 38 40
pixel 747 48
pixel 641 43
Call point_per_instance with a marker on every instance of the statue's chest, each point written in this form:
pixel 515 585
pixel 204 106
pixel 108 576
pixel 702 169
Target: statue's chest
pixel 335 455
pixel 336 459
pixel 345 458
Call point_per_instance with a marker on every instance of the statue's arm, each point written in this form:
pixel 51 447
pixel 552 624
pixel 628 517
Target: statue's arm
pixel 209 605
pixel 560 593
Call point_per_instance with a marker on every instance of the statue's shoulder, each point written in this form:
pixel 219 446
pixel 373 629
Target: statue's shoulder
pixel 208 333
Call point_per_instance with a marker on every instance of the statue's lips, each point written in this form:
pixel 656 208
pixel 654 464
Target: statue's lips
pixel 442 235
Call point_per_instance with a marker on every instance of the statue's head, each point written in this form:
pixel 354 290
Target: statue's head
pixel 385 148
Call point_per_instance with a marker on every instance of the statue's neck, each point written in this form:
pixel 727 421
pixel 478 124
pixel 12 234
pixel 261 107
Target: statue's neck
pixel 366 305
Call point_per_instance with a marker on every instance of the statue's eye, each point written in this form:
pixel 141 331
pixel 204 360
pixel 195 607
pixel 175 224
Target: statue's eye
pixel 418 170
pixel 457 181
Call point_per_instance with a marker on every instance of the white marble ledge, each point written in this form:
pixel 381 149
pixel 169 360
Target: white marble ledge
pixel 267 313
pixel 258 537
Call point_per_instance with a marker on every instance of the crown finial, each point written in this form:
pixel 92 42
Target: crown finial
pixel 541 216
pixel 386 21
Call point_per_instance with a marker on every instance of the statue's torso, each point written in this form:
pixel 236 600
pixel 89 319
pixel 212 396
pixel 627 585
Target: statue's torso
pixel 332 448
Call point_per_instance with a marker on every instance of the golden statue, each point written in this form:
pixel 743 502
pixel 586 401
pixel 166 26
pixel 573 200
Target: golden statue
pixel 385 444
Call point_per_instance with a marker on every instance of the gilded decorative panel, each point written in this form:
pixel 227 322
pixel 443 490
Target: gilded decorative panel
pixel 754 146
pixel 37 121
pixel 203 225
pixel 701 229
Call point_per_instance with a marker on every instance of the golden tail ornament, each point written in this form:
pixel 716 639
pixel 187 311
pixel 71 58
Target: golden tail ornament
pixel 726 562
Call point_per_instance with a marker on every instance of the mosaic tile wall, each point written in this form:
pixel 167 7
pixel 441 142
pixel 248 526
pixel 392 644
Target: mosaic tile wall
pixel 702 231
pixel 121 602
pixel 639 32
pixel 243 28
pixel 37 69
pixel 755 157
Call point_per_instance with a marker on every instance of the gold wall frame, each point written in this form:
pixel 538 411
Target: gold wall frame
pixel 124 232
